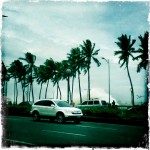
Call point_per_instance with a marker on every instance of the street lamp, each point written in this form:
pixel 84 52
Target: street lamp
pixel 68 72
pixel 107 60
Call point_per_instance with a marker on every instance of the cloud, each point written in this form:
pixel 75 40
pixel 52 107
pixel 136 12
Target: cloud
pixel 50 29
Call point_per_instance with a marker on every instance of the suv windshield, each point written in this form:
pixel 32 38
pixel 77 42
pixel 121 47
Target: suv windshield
pixel 62 104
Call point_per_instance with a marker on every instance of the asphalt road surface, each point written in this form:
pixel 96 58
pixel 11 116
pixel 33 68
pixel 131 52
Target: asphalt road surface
pixel 23 131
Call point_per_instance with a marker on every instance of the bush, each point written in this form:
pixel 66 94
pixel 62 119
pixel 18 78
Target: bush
pixel 19 110
pixel 108 112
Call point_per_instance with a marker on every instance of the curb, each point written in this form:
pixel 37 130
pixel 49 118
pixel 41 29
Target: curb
pixel 115 121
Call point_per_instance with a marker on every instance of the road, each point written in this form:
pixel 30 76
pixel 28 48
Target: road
pixel 24 131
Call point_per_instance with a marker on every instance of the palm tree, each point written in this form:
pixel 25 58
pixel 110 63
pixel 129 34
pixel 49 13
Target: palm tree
pixel 126 49
pixel 88 54
pixel 30 59
pixel 41 76
pixel 143 52
pixel 49 71
pixel 75 60
pixel 22 77
pixel 5 79
pixel 14 70
pixel 143 56
pixel 72 62
pixel 66 74
pixel 57 77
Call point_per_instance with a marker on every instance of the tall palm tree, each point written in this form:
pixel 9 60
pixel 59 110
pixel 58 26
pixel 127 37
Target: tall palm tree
pixel 88 54
pixel 30 59
pixel 143 52
pixel 75 60
pixel 22 77
pixel 57 78
pixel 72 62
pixel 5 79
pixel 126 49
pixel 143 56
pixel 41 78
pixel 49 71
pixel 14 70
pixel 65 65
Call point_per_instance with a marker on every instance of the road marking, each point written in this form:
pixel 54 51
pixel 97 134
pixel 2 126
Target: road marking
pixel 95 127
pixel 64 133
pixel 19 142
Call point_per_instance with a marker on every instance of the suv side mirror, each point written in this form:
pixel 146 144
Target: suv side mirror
pixel 52 105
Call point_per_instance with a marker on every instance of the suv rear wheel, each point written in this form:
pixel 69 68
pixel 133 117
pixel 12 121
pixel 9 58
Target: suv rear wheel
pixel 60 118
pixel 35 116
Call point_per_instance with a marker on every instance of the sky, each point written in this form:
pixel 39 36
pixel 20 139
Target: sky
pixel 50 29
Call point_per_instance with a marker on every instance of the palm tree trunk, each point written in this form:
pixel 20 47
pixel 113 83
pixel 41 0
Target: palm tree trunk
pixel 59 91
pixel 32 92
pixel 40 90
pixel 32 84
pixel 6 88
pixel 89 95
pixel 23 89
pixel 132 91
pixel 14 90
pixel 28 93
pixel 69 89
pixel 46 89
pixel 79 87
pixel 72 89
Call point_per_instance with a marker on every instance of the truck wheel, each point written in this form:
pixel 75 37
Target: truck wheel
pixel 35 116
pixel 60 118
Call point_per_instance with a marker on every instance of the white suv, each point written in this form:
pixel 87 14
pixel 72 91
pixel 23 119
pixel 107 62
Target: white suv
pixel 55 109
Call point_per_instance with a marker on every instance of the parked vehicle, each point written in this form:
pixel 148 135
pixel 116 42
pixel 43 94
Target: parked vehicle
pixel 25 103
pixel 55 109
pixel 94 102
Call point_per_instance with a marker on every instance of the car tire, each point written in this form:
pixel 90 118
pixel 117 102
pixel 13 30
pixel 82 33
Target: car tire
pixel 35 116
pixel 60 118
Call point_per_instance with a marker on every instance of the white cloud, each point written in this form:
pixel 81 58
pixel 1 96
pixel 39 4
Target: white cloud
pixel 51 29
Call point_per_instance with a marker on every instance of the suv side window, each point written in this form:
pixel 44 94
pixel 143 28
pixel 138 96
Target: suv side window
pixel 90 103
pixel 49 103
pixel 44 103
pixel 96 102
pixel 39 103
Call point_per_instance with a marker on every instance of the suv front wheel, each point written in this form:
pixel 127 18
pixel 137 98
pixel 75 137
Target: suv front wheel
pixel 60 118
